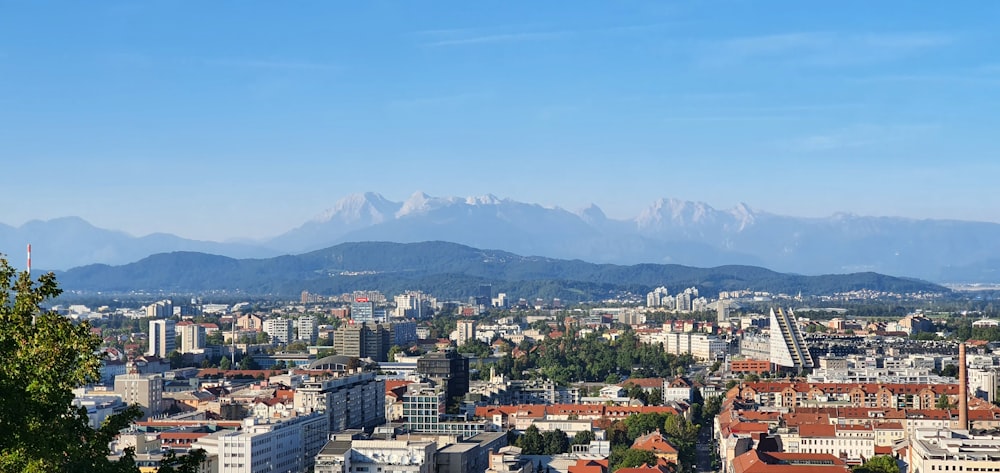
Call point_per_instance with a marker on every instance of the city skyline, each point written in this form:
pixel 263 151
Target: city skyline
pixel 215 122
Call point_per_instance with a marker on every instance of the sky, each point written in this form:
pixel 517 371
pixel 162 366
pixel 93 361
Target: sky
pixel 220 120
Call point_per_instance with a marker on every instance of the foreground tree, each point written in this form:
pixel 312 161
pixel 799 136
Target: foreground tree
pixel 45 356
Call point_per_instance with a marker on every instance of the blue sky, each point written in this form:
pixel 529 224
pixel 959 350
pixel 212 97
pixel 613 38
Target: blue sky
pixel 243 119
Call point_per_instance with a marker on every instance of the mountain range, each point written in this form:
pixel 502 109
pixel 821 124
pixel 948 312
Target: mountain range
pixel 447 270
pixel 669 231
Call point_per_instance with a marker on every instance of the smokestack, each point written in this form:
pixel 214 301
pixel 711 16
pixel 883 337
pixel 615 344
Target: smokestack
pixel 963 389
pixel 29 259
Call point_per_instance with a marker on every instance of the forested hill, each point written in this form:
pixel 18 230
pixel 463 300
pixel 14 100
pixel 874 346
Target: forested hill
pixel 447 270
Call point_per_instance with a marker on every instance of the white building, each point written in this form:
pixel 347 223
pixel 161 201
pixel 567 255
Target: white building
pixel 657 298
pixel 466 331
pixel 279 329
pixel 286 445
pixel 161 338
pixel 351 402
pixel 308 328
pixel 370 456
pixel 192 338
pixel 945 450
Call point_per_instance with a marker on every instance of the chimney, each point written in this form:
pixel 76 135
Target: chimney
pixel 963 389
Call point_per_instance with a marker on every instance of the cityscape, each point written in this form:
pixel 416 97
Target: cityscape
pixel 644 236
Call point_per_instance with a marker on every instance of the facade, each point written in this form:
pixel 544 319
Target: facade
pixel 192 338
pixel 363 340
pixel 788 347
pixel 466 331
pixel 162 338
pixel 287 445
pixel 351 402
pixel 146 390
pixel 370 456
pixel 363 311
pixel 657 298
pixel 279 329
pixel 250 322
pixel 448 369
pixel 424 411
pixel 308 328
pixel 946 450
pixel 160 309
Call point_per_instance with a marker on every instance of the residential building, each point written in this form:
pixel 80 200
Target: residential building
pixel 279 329
pixel 369 456
pixel 466 331
pixel 362 340
pixel 192 338
pixel 286 445
pixel 146 390
pixel 249 322
pixel 788 347
pixel 308 328
pixel 160 309
pixel 162 338
pixel 935 450
pixel 352 401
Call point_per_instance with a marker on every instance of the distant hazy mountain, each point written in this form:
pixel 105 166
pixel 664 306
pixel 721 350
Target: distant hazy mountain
pixel 70 241
pixel 448 270
pixel 668 231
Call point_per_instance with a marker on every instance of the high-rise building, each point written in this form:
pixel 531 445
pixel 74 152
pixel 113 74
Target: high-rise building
pixel 466 331
pixel 363 340
pixel 192 338
pixel 362 311
pixel 485 295
pixel 657 297
pixel 279 329
pixel 351 402
pixel 162 338
pixel 448 369
pixel 308 328
pixel 160 309
pixel 788 347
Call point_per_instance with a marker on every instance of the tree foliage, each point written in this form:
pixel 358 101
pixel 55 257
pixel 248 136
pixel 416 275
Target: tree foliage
pixel 45 356
pixel 878 464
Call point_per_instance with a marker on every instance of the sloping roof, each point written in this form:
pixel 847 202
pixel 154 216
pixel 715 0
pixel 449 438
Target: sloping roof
pixel 654 442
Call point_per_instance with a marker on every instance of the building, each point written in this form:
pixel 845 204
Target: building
pixel 788 347
pixel 249 322
pixel 362 311
pixel 160 310
pixel 466 331
pixel 162 338
pixel 279 329
pixel 370 456
pixel 308 328
pixel 657 298
pixel 946 450
pixel 448 369
pixel 192 338
pixel 362 340
pixel 353 401
pixel 146 390
pixel 286 445
pixel 424 411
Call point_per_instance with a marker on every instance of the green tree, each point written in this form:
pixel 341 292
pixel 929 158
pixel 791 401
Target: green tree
pixel 393 351
pixel 943 402
pixel 45 356
pixel 531 441
pixel 225 364
pixel 584 437
pixel 263 338
pixel 555 442
pixel 631 458
pixel 878 464
pixel 176 359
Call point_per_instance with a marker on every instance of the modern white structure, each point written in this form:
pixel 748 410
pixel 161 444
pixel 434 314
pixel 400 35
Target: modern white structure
pixel 351 402
pixel 788 347
pixel 161 338
pixel 657 298
pixel 371 456
pixel 279 329
pixel 945 450
pixel 287 445
pixel 192 338
pixel 308 328
pixel 466 331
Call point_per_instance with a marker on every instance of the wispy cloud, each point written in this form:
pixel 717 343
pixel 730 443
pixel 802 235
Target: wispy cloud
pixel 828 49
pixel 858 136
pixel 521 33
pixel 267 64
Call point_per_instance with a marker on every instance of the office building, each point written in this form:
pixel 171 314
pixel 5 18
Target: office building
pixel 192 338
pixel 279 329
pixel 362 340
pixel 162 339
pixel 354 456
pixel 362 311
pixel 447 369
pixel 146 390
pixel 160 309
pixel 788 347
